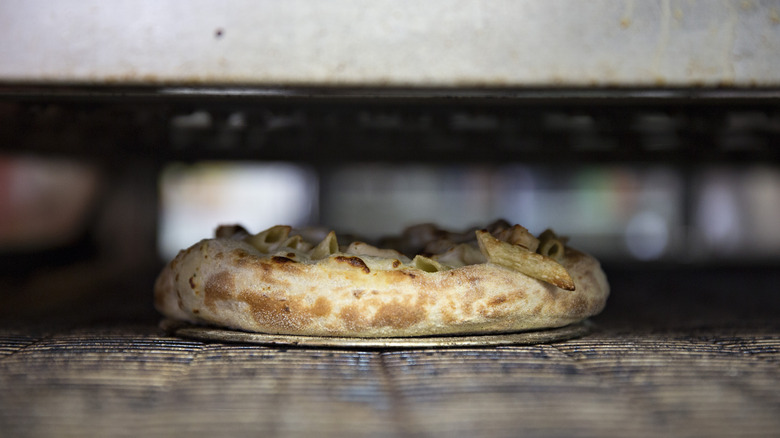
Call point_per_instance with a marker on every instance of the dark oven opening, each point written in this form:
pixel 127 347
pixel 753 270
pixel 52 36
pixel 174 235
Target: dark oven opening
pixel 670 189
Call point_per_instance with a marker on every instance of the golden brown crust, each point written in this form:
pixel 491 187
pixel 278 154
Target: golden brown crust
pixel 229 282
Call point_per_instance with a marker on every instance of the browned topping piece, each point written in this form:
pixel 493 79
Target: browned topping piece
pixel 498 226
pixel 551 245
pixel 280 259
pixel 329 245
pixel 520 259
pixel 427 264
pixel 264 241
pixel 354 261
pixel 518 235
pixel 364 249
pixel 439 246
pixel 231 232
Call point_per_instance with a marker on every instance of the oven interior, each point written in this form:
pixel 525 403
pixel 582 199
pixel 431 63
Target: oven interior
pixel 103 185
pixel 677 196
pixel 646 132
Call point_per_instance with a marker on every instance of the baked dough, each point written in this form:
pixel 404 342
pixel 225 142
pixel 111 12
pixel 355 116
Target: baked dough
pixel 282 281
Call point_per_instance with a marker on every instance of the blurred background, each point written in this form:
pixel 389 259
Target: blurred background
pixel 646 132
pixel 636 182
pixel 661 182
pixel 621 213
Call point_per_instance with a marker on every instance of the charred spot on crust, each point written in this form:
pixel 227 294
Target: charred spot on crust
pixel 219 286
pixel 577 306
pixel 268 308
pixel 289 313
pixel 240 257
pixel 356 262
pixel 321 307
pixel 179 300
pixel 396 263
pixel 497 300
pixel 398 315
pixel 448 313
pixel 353 318
pixel 280 259
pixel 291 254
pixel 275 312
pixel 358 293
pixel 192 281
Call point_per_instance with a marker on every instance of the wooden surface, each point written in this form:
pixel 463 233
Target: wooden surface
pixel 660 363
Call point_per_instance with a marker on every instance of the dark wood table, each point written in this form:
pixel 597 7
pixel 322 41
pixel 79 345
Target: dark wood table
pixel 677 353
